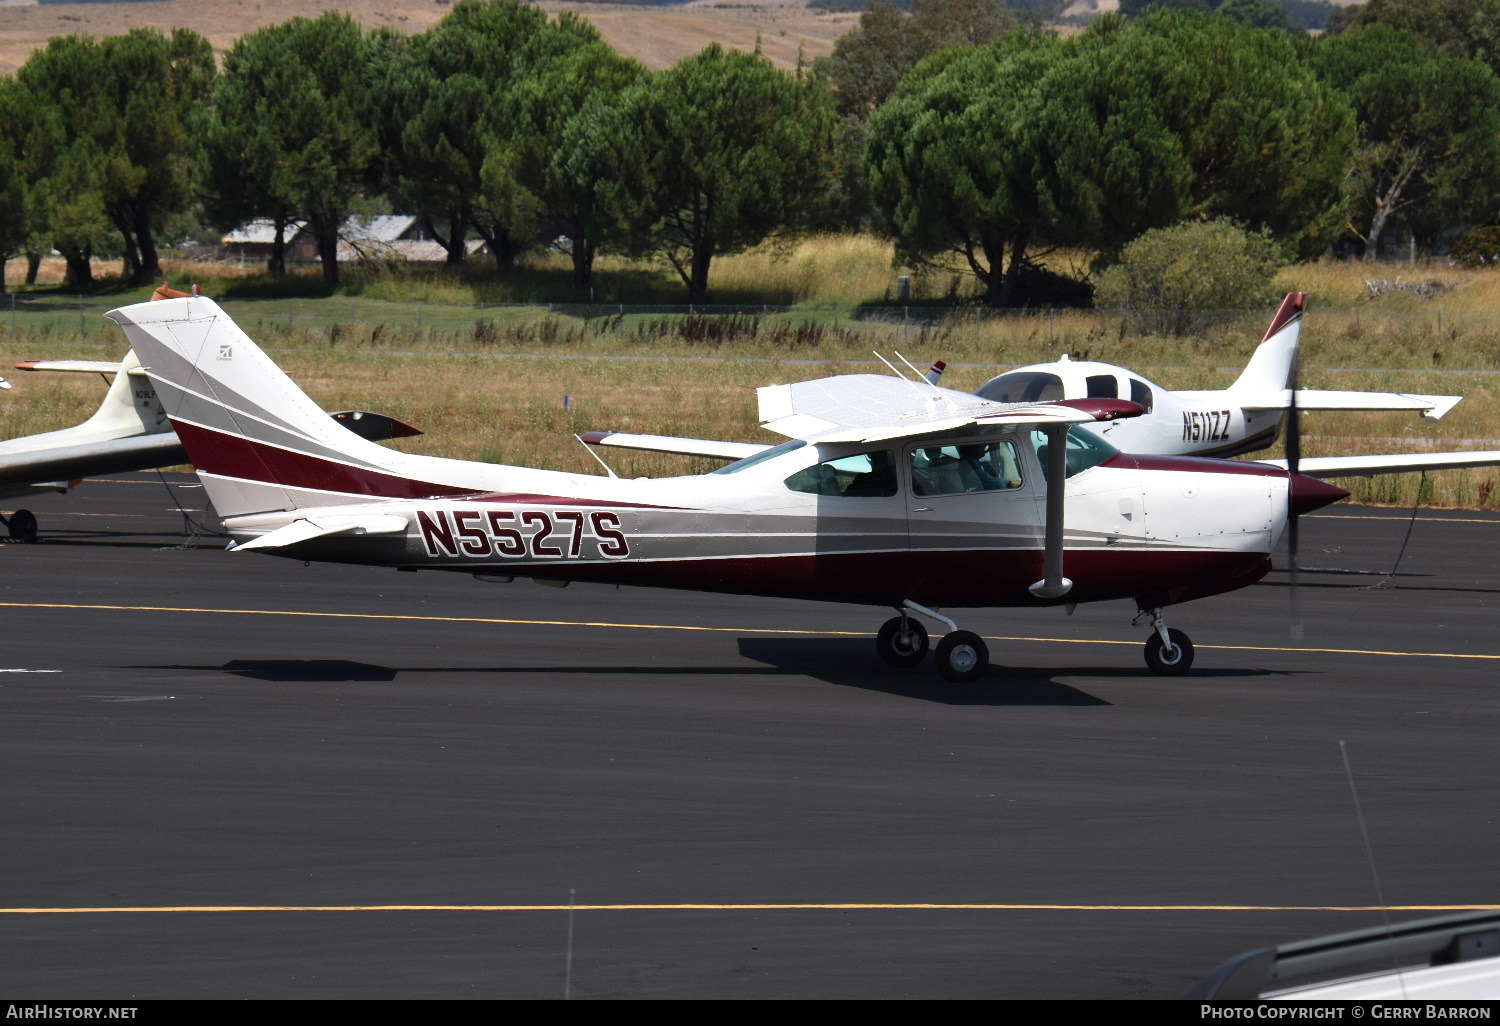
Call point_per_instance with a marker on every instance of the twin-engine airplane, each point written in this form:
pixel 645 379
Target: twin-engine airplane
pixel 889 492
pixel 1246 417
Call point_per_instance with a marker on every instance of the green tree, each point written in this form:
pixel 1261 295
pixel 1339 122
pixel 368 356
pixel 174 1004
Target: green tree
pixel 15 223
pixel 1454 28
pixel 1429 129
pixel 869 61
pixel 1135 8
pixel 130 97
pixel 292 130
pixel 468 127
pixel 995 153
pixel 1171 275
pixel 1261 14
pixel 726 148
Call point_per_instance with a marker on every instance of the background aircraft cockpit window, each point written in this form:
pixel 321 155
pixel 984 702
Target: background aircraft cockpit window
pixel 1085 450
pixel 1103 386
pixel 1140 393
pixel 1024 387
pixel 761 457
pixel 977 467
pixel 869 474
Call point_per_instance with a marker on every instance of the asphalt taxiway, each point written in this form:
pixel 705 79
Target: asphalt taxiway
pixel 228 775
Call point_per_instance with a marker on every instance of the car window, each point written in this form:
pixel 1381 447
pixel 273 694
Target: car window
pixel 761 457
pixel 866 475
pixel 1103 386
pixel 1140 393
pixel 976 467
pixel 1085 450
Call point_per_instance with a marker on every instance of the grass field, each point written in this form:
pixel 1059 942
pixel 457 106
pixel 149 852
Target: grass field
pixel 490 382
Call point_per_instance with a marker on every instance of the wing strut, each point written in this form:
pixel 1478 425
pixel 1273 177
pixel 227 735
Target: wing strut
pixel 1054 584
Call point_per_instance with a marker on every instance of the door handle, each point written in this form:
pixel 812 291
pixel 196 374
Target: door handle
pixel 922 509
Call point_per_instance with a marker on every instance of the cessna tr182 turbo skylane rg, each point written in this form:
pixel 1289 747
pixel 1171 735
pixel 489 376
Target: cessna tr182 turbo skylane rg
pixel 890 492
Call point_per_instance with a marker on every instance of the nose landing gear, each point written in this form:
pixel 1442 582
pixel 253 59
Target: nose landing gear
pixel 1169 652
pixel 961 656
pixel 21 525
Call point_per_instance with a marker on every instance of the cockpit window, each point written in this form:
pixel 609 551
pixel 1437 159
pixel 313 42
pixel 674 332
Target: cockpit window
pixel 1085 450
pixel 869 474
pixel 1024 387
pixel 1103 386
pixel 1140 392
pixel 761 457
pixel 977 467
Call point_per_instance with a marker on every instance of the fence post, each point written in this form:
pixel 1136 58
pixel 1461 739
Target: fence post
pixel 12 313
pixel 81 329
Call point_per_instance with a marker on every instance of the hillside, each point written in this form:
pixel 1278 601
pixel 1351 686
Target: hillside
pixel 658 36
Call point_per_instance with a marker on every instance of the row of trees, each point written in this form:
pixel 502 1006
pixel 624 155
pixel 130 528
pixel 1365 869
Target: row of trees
pixel 954 128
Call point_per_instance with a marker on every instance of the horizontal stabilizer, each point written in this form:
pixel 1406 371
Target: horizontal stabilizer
pixel 709 447
pixel 89 459
pixel 1431 407
pixel 78 367
pixel 310 527
pixel 1394 463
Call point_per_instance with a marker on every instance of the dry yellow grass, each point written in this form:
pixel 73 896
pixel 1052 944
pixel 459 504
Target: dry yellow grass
pixel 659 37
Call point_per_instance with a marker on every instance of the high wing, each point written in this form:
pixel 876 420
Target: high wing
pixel 869 408
pixel 874 407
pixel 1431 407
pixel 1394 463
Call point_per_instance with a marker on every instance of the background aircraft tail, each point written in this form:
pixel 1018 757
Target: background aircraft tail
pixel 259 443
pixel 1271 366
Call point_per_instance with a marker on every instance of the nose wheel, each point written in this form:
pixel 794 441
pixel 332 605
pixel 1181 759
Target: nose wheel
pixel 1169 652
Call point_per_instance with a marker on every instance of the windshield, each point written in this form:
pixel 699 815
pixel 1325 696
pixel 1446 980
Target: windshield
pixel 1024 387
pixel 760 457
pixel 1085 449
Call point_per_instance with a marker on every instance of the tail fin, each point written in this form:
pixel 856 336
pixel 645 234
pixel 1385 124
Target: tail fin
pixel 131 406
pixel 258 442
pixel 1270 368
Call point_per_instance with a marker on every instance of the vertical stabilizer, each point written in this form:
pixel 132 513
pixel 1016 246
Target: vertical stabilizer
pixel 1270 368
pixel 130 407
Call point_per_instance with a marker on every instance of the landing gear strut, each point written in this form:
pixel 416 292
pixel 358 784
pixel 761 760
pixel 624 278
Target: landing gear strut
pixel 1169 652
pixel 21 524
pixel 961 656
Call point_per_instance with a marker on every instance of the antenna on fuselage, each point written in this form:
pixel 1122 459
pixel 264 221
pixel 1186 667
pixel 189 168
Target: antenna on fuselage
pixel 919 374
pixel 915 387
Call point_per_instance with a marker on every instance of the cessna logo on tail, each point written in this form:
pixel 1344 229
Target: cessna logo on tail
pixel 528 534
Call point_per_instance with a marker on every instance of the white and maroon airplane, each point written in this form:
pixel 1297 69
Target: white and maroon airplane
pixel 889 492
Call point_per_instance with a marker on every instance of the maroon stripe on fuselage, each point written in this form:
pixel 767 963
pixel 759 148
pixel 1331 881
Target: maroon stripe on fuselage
pixel 232 456
pixel 970 578
pixel 1194 465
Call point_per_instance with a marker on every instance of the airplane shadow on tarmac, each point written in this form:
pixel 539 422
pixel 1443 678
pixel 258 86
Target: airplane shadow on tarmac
pixel 844 662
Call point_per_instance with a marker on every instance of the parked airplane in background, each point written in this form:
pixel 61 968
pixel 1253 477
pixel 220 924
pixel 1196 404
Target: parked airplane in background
pixel 890 491
pixel 1246 417
pixel 129 431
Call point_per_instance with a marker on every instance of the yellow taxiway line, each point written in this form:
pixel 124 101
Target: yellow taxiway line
pixel 757 907
pixel 690 627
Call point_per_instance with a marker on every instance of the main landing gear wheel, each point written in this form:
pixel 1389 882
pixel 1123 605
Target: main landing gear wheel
pixel 902 641
pixel 22 525
pixel 1173 662
pixel 962 657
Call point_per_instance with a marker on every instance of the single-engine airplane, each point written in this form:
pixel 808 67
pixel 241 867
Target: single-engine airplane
pixel 890 491
pixel 1246 417
pixel 129 431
